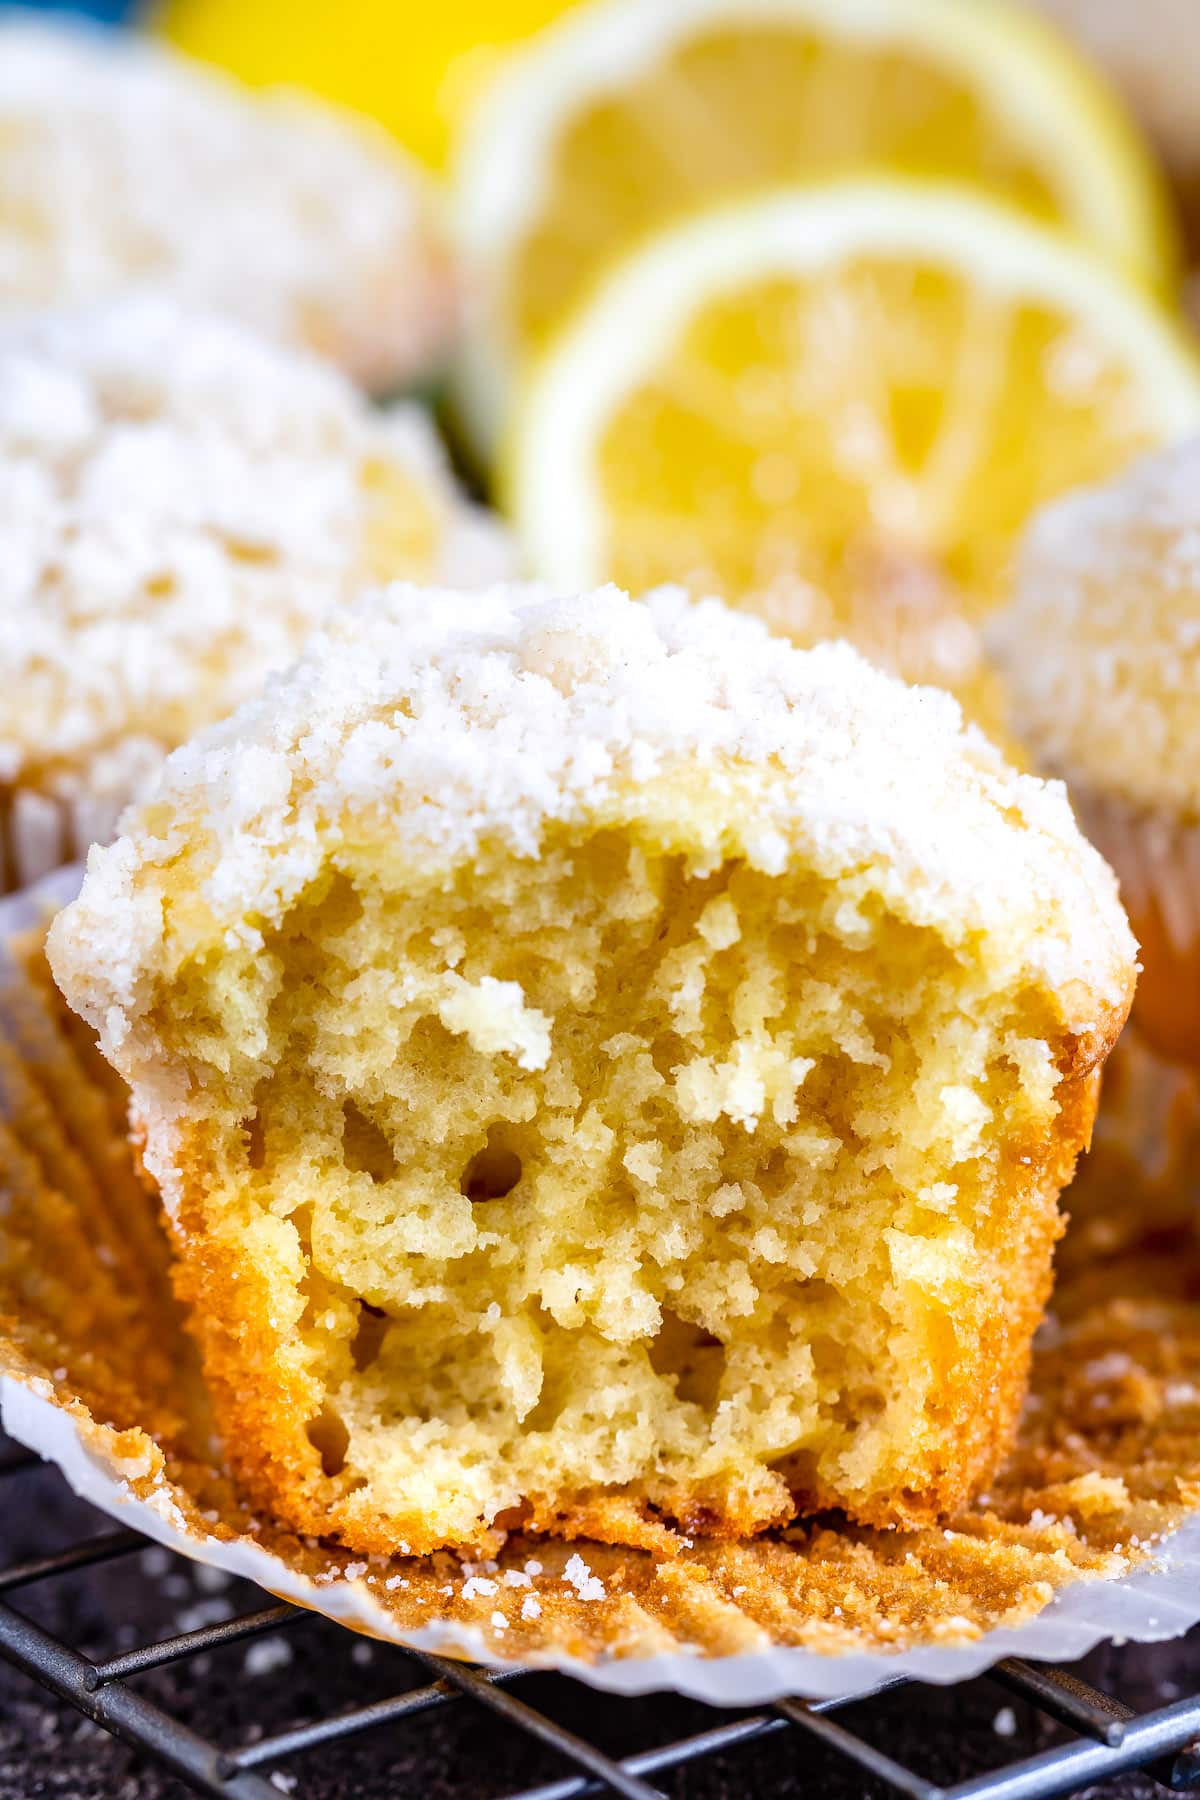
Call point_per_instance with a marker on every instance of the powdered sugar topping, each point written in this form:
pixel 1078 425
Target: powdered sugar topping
pixel 463 719
pixel 126 164
pixel 1101 643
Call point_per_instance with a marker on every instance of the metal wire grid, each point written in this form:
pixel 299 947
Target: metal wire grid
pixel 1111 1737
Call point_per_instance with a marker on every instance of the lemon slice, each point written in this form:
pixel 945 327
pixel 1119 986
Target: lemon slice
pixel 766 389
pixel 627 114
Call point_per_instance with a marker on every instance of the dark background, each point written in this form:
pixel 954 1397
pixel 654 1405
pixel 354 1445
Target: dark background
pixel 243 1690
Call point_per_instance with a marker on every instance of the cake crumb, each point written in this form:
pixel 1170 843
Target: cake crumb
pixel 267 1655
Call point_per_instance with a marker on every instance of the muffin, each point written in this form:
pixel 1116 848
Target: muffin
pixel 1101 650
pixel 127 165
pixel 904 615
pixel 1151 51
pixel 608 1071
pixel 180 503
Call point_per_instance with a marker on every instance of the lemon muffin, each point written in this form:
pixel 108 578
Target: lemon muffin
pixel 1101 649
pixel 607 1069
pixel 1152 51
pixel 125 164
pixel 180 502
pixel 905 615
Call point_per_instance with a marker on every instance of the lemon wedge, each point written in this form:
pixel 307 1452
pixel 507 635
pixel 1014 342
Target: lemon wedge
pixel 771 388
pixel 625 115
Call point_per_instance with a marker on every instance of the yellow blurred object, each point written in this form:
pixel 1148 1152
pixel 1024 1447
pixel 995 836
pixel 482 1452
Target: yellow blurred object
pixel 418 68
pixel 628 114
pixel 760 394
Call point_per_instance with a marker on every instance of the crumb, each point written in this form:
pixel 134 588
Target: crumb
pixel 267 1655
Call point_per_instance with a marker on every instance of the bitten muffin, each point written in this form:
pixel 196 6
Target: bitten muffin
pixel 1101 649
pixel 127 165
pixel 180 503
pixel 607 1069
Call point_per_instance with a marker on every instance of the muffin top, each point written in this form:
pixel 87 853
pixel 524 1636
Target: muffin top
pixel 125 164
pixel 1101 642
pixel 465 721
pixel 180 503
pixel 904 614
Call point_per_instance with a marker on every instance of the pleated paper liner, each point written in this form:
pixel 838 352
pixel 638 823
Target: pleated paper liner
pixel 1157 861
pixel 1072 1544
pixel 49 816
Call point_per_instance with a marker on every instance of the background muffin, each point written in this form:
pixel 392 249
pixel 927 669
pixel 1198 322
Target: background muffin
pixel 1151 50
pixel 1101 649
pixel 607 1069
pixel 905 616
pixel 180 503
pixel 126 165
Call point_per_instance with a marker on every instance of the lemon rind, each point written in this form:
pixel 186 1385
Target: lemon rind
pixel 640 308
pixel 1021 61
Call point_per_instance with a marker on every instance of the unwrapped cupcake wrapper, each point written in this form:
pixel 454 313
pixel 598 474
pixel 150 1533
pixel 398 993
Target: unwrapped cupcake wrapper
pixel 1157 862
pixel 1070 1547
pixel 46 827
pixel 41 832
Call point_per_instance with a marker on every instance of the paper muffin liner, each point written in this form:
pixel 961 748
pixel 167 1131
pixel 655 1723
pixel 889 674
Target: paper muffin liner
pixel 1088 1531
pixel 40 832
pixel 48 826
pixel 1157 861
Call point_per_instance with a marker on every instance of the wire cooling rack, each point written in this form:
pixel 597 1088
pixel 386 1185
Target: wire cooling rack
pixel 1103 1736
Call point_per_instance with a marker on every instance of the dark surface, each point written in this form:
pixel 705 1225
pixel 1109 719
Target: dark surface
pixel 236 1693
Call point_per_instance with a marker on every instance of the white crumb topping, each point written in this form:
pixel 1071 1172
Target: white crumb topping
pixel 494 1018
pixel 180 503
pixel 266 1656
pixel 1101 643
pixel 580 1577
pixel 126 164
pixel 459 719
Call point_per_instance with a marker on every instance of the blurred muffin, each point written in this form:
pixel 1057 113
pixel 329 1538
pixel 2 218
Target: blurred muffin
pixel 1101 651
pixel 608 1070
pixel 1151 49
pixel 126 165
pixel 904 616
pixel 180 503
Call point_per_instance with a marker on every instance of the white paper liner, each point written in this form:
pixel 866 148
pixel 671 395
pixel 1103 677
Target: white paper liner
pixel 1159 1600
pixel 41 831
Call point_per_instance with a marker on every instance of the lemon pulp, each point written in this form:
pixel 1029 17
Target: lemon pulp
pixel 764 391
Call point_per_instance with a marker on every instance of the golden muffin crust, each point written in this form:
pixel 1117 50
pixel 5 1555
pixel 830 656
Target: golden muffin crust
pixel 127 165
pixel 608 1069
pixel 180 504
pixel 1107 1461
